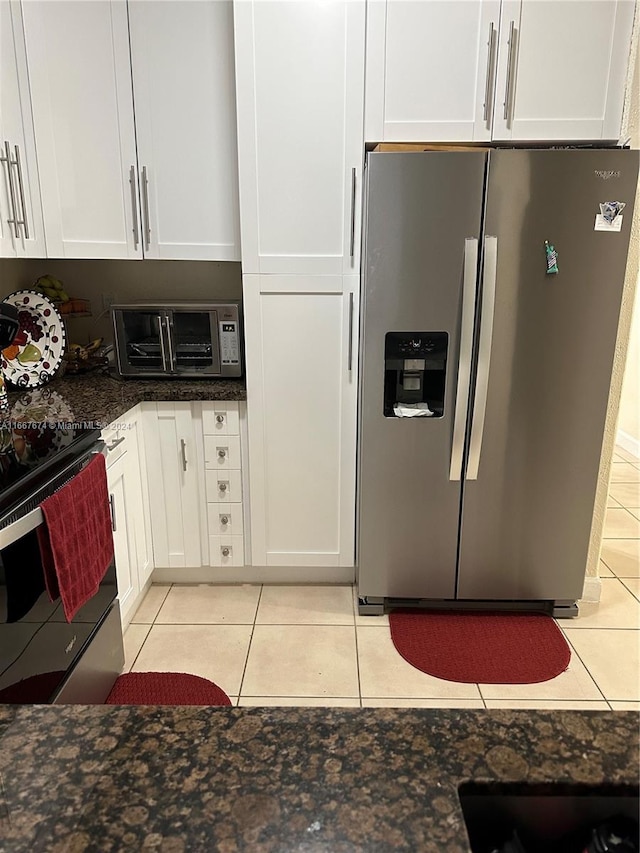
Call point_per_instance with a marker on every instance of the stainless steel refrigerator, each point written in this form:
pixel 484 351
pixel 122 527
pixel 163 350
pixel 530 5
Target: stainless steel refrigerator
pixel 492 286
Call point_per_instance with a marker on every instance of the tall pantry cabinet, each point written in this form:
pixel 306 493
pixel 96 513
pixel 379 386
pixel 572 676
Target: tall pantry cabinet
pixel 300 96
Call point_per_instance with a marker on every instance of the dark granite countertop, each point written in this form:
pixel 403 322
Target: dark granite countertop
pixel 103 399
pixel 104 778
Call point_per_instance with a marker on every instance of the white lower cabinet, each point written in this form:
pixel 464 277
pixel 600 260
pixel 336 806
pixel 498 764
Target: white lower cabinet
pixel 173 478
pixel 194 473
pixel 301 354
pixel 128 517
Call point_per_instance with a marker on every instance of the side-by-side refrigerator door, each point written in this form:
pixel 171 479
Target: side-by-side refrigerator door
pixel 421 242
pixel 552 283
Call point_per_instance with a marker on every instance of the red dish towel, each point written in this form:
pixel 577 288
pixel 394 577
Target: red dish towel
pixel 76 543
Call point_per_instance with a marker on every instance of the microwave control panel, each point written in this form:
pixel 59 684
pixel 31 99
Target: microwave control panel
pixel 229 344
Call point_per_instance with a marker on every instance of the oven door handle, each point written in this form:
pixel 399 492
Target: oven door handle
pixel 35 517
pixel 20 527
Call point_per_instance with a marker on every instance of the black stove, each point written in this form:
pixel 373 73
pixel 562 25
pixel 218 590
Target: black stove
pixel 31 454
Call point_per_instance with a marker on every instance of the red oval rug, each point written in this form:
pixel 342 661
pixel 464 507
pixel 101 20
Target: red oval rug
pixel 485 648
pixel 165 688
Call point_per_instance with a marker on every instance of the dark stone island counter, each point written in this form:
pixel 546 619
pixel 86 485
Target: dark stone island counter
pixel 94 778
pixel 103 399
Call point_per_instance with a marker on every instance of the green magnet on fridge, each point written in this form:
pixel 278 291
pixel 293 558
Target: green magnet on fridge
pixel 552 258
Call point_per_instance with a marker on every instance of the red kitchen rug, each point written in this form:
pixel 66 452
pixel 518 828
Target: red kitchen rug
pixel 165 688
pixel 485 648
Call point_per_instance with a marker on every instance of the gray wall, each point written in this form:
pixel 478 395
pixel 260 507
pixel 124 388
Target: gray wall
pixel 126 281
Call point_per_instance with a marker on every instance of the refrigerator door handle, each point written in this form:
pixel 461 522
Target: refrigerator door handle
pixel 489 273
pixel 469 282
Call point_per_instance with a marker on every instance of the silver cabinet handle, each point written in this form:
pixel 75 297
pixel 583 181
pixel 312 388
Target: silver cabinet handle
pixel 112 508
pixel 352 242
pixel 226 552
pixel 224 519
pixel 508 90
pixel 222 487
pixel 115 443
pixel 172 356
pixel 23 204
pixel 222 453
pixel 489 274
pixel 134 206
pixel 145 208
pixel 220 419
pixel 161 336
pixel 6 158
pixel 488 85
pixel 470 275
pixel 350 357
pixel 183 451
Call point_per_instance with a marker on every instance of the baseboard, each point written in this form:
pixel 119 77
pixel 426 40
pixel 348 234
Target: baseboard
pixel 628 442
pixel 592 590
pixel 257 574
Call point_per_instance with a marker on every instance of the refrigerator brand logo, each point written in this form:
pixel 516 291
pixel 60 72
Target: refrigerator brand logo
pixel 601 173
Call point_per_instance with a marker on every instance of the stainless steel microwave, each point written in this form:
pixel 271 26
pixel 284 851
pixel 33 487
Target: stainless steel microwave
pixel 178 339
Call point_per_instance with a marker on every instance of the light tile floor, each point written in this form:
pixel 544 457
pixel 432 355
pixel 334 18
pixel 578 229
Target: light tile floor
pixel 307 645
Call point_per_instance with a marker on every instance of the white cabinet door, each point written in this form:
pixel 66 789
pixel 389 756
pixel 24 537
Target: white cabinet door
pixel 430 70
pixel 80 77
pixel 173 477
pixel 301 351
pixel 184 91
pixel 123 536
pixel 562 69
pixel 300 88
pixel 19 183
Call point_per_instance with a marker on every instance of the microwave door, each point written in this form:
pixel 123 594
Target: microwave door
pixel 193 342
pixel 142 343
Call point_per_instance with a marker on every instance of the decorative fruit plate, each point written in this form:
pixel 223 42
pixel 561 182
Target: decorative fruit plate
pixel 36 352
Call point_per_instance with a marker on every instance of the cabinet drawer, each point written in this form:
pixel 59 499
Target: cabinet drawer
pixel 220 418
pixel 222 451
pixel 226 550
pixel 225 519
pixel 223 486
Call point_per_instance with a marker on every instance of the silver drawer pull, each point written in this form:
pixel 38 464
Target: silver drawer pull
pixel 222 453
pixel 226 552
pixel 220 419
pixel 115 443
pixel 112 507
pixel 222 487
pixel 183 451
pixel 224 519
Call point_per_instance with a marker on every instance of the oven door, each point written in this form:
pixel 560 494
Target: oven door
pixel 44 658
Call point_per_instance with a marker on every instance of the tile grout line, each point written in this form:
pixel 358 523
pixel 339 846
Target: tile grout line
pixel 575 651
pixel 253 628
pixel 354 606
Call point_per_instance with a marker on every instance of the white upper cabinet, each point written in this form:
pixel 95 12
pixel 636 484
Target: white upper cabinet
pixel 174 195
pixel 562 69
pixel 430 70
pixel 481 70
pixel 300 94
pixel 79 71
pixel 21 230
pixel 185 111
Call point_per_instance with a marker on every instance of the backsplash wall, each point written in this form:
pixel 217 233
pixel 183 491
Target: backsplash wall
pixel 126 281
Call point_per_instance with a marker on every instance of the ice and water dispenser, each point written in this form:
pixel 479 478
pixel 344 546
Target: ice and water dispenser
pixel 414 374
